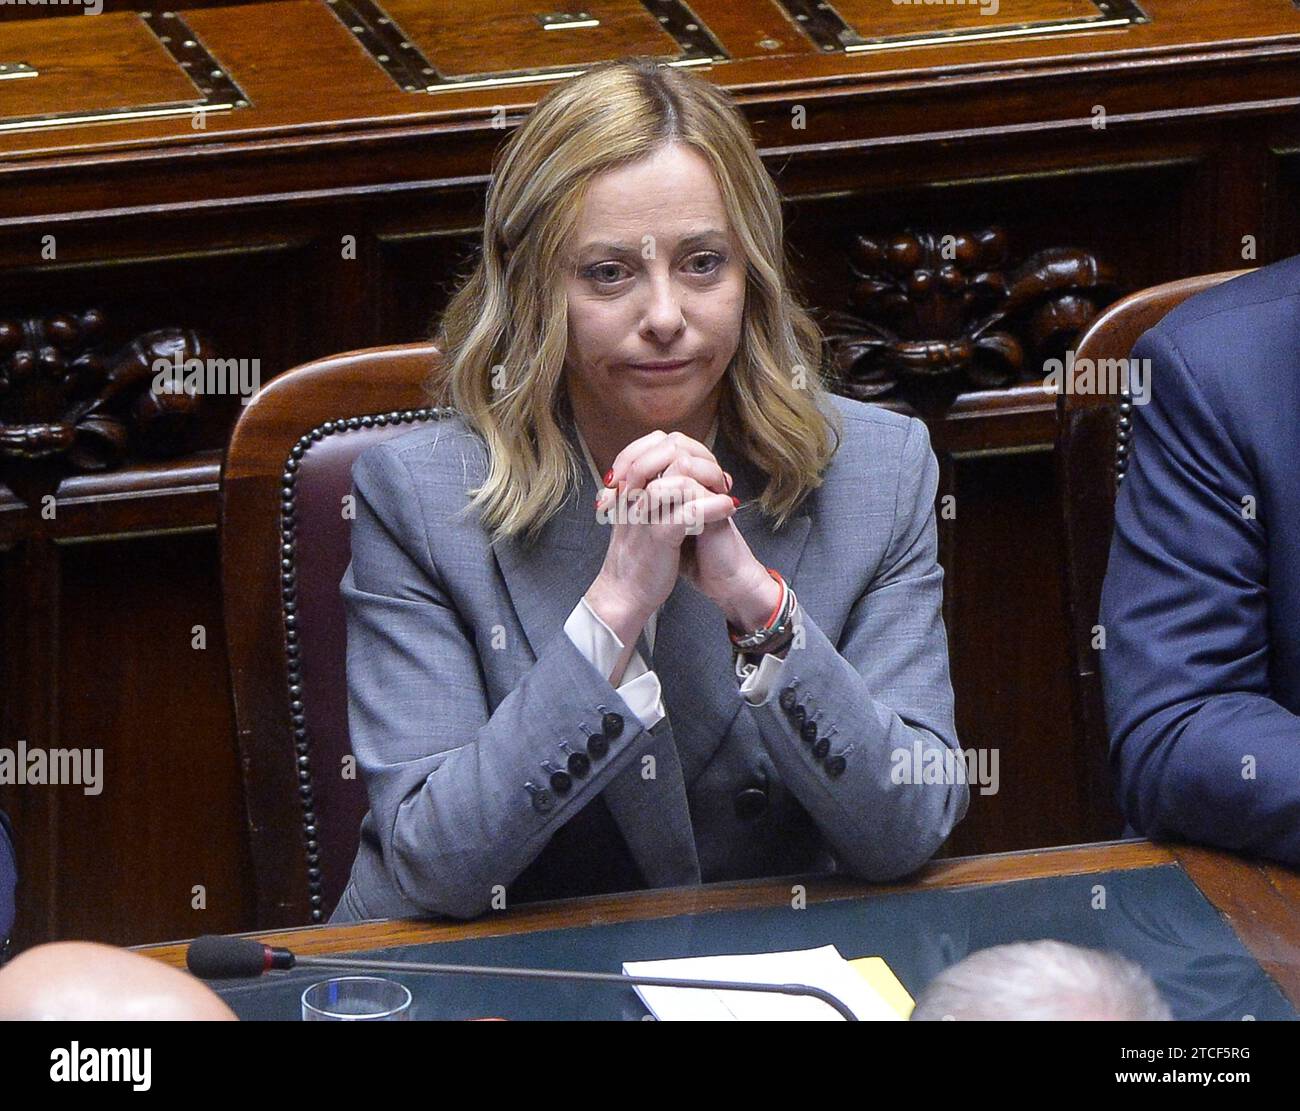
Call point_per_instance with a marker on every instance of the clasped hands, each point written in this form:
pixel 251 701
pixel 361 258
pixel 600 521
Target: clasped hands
pixel 668 499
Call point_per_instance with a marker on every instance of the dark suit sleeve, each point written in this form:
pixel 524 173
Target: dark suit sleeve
pixel 1200 749
pixel 8 882
pixel 884 699
pixel 445 773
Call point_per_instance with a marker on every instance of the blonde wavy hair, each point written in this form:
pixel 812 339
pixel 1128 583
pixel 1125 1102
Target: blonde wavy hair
pixel 504 334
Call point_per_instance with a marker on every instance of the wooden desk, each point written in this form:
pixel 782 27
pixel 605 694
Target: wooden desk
pixel 1260 901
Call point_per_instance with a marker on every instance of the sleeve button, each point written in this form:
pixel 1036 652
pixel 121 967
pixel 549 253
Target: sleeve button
pixel 835 766
pixel 578 764
pixel 787 699
pixel 821 748
pixel 543 800
pixel 612 725
pixel 808 731
pixel 597 746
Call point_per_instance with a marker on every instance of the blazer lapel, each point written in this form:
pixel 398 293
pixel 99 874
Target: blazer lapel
pixel 546 580
pixel 692 657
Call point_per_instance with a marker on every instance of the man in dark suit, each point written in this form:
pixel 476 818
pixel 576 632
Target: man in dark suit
pixel 8 881
pixel 1201 606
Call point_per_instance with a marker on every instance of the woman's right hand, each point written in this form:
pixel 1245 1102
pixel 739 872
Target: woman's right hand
pixel 649 525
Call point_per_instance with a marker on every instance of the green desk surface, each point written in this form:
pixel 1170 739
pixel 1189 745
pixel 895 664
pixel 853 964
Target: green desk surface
pixel 1154 915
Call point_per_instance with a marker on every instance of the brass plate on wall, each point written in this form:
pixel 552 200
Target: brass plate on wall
pixel 118 66
pixel 435 45
pixel 854 26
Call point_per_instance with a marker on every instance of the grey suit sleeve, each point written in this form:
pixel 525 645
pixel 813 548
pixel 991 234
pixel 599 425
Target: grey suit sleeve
pixel 445 773
pixel 883 697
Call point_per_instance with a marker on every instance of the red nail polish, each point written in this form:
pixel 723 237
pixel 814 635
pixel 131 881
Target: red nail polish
pixel 736 500
pixel 609 476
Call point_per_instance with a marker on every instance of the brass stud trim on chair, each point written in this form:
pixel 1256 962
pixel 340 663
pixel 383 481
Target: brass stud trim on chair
pixel 289 616
pixel 1123 435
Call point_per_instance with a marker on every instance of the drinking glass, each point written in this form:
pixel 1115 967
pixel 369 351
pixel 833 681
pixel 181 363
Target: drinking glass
pixel 356 999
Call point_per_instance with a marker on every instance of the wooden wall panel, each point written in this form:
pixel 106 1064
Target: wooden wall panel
pixel 416 274
pixel 251 302
pixel 121 864
pixel 1283 228
pixel 1090 207
pixel 1008 659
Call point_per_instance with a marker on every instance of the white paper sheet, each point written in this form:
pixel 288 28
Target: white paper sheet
pixel 820 968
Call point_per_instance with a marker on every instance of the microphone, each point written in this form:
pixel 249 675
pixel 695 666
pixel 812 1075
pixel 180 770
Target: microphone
pixel 213 957
pixel 233 958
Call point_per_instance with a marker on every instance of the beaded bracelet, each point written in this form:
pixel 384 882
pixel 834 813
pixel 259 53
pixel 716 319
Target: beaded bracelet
pixel 746 660
pixel 778 629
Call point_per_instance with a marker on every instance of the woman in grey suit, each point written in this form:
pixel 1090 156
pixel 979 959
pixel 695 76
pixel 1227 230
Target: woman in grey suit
pixel 646 605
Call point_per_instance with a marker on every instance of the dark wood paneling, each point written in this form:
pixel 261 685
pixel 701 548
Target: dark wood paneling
pixel 1283 229
pixel 1008 659
pixel 129 683
pixel 405 307
pixel 1088 206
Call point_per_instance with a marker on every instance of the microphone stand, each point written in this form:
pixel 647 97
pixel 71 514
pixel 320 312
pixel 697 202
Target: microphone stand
pixel 826 997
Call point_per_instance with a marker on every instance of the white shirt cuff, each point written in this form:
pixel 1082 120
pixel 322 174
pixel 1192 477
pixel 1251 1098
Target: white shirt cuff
pixel 758 687
pixel 640 687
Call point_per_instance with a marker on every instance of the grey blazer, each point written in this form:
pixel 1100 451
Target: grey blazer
pixel 465 696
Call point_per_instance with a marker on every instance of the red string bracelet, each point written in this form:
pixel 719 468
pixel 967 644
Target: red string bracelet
pixel 780 598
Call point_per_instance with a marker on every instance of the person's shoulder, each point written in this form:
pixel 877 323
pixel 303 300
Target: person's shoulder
pixel 884 460
pixel 423 475
pixel 879 487
pixel 1237 344
pixel 430 429
pixel 1261 303
pixel 872 419
pixel 437 438
pixel 871 431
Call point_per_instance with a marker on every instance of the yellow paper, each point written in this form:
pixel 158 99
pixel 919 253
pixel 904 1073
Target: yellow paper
pixel 881 977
